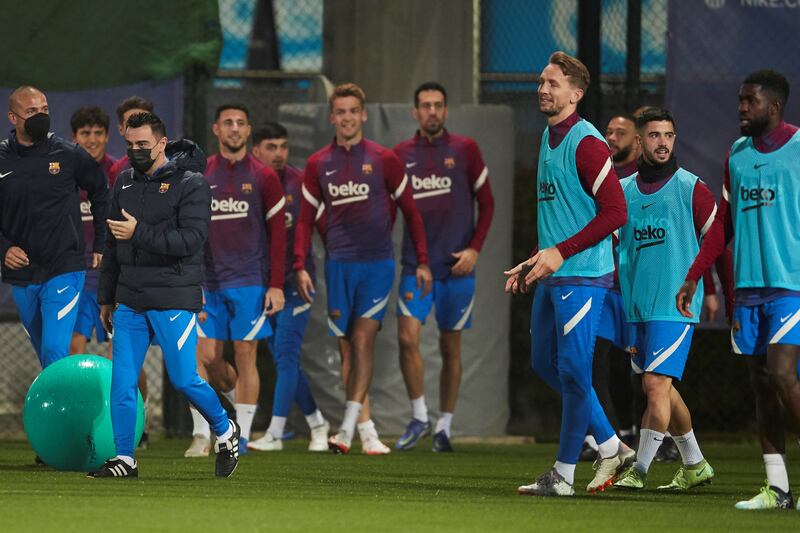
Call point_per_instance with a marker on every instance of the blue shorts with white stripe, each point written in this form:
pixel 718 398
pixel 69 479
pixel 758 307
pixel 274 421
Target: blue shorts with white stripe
pixel 453 297
pixel 662 347
pixel 774 322
pixel 235 314
pixel 357 290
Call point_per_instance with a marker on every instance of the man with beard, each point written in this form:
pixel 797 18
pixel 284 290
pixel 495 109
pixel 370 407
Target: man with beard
pixel 760 199
pixel 41 241
pixel 448 177
pixel 669 212
pixel 579 204
pixel 243 270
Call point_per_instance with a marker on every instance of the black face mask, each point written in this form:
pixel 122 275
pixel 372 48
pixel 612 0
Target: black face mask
pixel 140 159
pixel 37 126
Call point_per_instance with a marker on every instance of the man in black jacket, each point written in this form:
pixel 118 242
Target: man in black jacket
pixel 150 283
pixel 41 234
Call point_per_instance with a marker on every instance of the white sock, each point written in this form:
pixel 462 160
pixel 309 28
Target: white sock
pixel 315 419
pixel 199 424
pixel 348 427
pixel 230 395
pixel 588 439
pixel 649 443
pixel 227 434
pixel 610 447
pixel 366 430
pixel 566 470
pixel 127 459
pixel 276 425
pixel 443 424
pixel 775 464
pixel 244 417
pixel 689 449
pixel 419 410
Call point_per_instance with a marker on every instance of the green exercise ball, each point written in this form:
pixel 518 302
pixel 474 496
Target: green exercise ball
pixel 67 413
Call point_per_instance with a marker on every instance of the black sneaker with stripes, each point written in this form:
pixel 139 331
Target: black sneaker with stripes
pixel 227 453
pixel 116 468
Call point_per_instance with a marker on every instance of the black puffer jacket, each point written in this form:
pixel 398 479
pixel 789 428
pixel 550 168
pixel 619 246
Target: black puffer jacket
pixel 160 267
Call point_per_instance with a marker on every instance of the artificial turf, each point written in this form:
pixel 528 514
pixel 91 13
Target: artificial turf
pixel 473 489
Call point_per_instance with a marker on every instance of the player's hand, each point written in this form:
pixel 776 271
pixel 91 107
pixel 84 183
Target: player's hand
pixel 97 259
pixel 123 229
pixel 711 307
pixel 16 258
pixel 273 301
pixel 424 279
pixel 466 261
pixel 545 263
pixel 202 316
pixel 515 284
pixel 107 317
pixel 683 300
pixel 305 285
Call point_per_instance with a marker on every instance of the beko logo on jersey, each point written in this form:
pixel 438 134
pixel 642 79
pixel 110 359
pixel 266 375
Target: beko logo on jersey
pixel 433 185
pixel 348 192
pixel 230 208
pixel 547 191
pixel 652 232
pixel 86 211
pixel 762 196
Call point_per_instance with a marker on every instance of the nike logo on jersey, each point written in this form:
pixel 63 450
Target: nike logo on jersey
pixel 213 186
pixel 330 172
pixel 411 165
pixel 126 186
pixel 565 296
pixel 759 165
pixel 6 174
pixel 172 318
pixel 658 351
pixel 647 205
pixel 785 318
pixel 59 291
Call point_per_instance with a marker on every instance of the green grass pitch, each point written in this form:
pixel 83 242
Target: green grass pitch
pixel 473 489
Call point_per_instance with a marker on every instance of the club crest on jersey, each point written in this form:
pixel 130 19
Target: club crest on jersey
pixel 289 199
pixel 247 188
pixel 450 162
pixel 366 169
pixel 55 167
pixel 163 188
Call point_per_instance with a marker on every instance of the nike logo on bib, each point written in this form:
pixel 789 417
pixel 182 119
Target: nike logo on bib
pixel 648 205
pixel 759 165
pixel 565 296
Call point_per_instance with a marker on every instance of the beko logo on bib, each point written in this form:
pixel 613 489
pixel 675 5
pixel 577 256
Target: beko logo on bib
pixel 348 192
pixel 650 232
pixel 547 191
pixel 762 196
pixel 230 207
pixel 431 186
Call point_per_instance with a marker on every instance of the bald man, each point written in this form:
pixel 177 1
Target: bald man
pixel 41 235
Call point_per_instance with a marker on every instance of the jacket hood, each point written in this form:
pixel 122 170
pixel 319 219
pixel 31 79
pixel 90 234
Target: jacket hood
pixel 186 155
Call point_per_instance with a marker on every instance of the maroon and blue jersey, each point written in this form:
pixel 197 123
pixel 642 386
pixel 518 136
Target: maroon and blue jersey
pixel 92 274
pixel 356 191
pixel 292 182
pixel 447 175
pixel 247 241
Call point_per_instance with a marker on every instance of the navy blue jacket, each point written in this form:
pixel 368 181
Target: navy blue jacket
pixel 40 206
pixel 160 267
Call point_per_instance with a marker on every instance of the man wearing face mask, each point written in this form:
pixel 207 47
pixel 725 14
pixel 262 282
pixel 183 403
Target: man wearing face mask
pixel 41 239
pixel 150 283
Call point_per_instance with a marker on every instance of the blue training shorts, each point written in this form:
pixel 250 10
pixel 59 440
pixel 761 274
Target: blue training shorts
pixel 756 326
pixel 662 347
pixel 357 290
pixel 613 325
pixel 453 297
pixel 89 317
pixel 235 314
